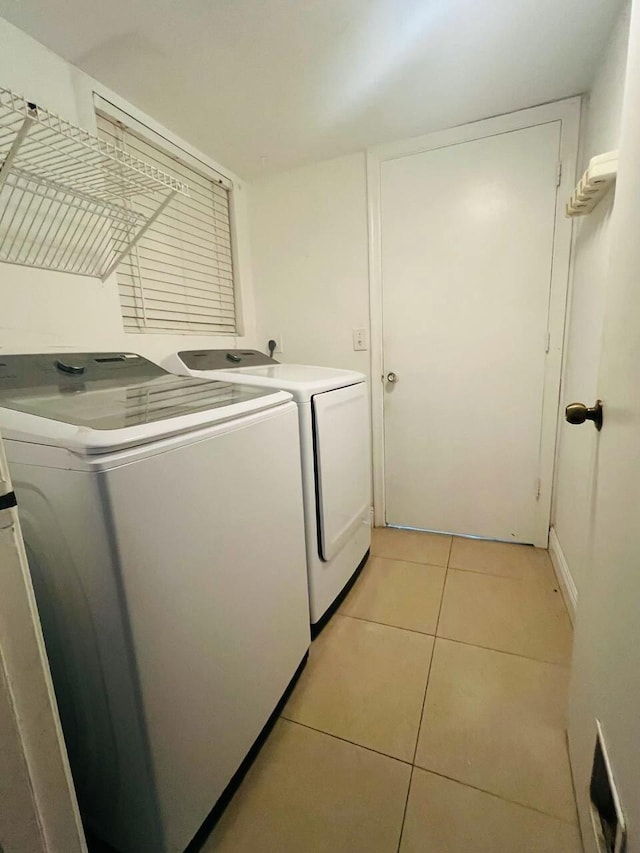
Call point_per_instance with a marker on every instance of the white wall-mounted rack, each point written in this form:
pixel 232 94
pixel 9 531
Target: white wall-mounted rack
pixel 66 196
pixel 594 184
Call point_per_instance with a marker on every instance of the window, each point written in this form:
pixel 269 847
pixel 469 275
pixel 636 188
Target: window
pixel 179 277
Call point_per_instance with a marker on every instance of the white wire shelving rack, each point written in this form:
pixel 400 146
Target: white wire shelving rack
pixel 66 196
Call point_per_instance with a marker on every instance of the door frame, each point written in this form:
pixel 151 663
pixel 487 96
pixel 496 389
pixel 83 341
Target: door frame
pixel 566 111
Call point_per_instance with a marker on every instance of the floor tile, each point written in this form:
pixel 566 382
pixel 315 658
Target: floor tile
pixel 365 682
pixel 523 617
pixel 310 792
pixel 398 593
pixel 497 722
pixel 446 817
pixel 501 558
pixel 410 545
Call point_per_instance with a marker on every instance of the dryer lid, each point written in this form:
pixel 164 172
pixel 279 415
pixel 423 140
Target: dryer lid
pixel 301 380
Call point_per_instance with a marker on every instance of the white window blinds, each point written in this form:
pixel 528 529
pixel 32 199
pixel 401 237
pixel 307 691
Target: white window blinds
pixel 179 277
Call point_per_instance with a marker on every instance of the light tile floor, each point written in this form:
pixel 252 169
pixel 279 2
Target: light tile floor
pixel 430 717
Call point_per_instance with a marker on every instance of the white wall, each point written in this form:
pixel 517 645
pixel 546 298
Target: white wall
pixel 572 512
pixel 310 266
pixel 42 310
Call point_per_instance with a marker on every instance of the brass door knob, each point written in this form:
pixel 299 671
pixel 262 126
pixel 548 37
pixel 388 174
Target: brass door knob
pixel 578 413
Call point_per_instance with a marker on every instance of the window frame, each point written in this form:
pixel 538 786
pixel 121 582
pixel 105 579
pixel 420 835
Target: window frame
pixel 176 148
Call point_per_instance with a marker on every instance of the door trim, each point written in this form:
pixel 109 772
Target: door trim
pixel 37 741
pixel 568 113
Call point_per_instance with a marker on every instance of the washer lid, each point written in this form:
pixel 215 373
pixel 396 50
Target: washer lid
pixel 96 402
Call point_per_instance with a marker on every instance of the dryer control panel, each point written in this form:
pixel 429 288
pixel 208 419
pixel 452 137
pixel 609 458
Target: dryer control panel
pixel 223 359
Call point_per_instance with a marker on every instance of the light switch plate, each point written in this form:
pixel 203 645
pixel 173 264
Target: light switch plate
pixel 360 340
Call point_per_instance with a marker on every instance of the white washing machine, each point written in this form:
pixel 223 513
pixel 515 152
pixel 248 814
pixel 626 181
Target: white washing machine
pixel 333 407
pixel 164 527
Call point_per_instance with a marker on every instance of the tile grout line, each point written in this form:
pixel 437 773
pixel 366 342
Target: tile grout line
pixel 502 652
pixel 406 806
pixel 424 698
pixel 433 772
pixel 411 562
pixel 444 589
pixel 498 796
pixel 346 740
pixel 426 687
pixel 494 574
pixel 405 560
pixel 386 624
pixel 424 701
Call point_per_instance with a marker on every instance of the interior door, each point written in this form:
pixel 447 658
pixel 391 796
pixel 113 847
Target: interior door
pixel 606 666
pixel 467 237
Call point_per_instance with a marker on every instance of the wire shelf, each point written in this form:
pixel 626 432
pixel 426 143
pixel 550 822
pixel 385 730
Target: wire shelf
pixel 66 196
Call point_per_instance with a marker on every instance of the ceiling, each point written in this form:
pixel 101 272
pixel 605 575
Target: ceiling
pixel 264 85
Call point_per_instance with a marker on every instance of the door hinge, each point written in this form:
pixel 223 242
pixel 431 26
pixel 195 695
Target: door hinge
pixel 559 174
pixel 538 488
pixel 547 342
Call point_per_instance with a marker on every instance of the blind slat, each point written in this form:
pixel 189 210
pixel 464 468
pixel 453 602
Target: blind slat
pixel 173 272
pixel 170 290
pixel 202 275
pixel 179 277
pixel 156 308
pixel 136 325
pixel 185 297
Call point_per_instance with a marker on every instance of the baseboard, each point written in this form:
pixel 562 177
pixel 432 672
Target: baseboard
pixel 561 568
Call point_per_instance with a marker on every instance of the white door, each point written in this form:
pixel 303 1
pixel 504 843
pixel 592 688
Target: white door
pixel 606 665
pixel 467 237
pixel 38 808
